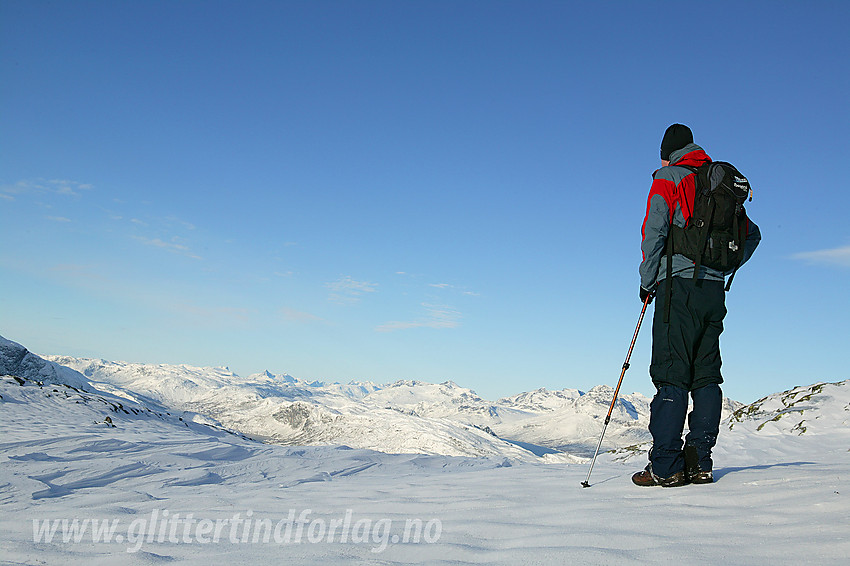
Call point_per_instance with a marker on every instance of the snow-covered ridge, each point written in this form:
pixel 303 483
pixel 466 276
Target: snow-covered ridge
pixel 400 417
pixel 404 416
pixel 18 361
pixel 813 409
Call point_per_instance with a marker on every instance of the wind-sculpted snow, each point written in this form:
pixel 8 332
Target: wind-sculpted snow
pixel 92 478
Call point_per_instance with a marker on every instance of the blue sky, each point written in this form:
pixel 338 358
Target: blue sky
pixel 411 190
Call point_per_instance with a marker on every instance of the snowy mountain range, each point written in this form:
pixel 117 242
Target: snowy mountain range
pixel 400 417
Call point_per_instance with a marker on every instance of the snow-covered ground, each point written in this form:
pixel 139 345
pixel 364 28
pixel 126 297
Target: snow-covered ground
pixel 97 477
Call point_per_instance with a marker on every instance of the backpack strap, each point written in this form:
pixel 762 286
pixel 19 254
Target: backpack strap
pixel 703 239
pixel 737 231
pixel 668 292
pixel 731 277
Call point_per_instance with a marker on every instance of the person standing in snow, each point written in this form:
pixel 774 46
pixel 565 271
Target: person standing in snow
pixel 686 348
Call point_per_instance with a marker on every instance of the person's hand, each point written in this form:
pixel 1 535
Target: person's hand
pixel 644 293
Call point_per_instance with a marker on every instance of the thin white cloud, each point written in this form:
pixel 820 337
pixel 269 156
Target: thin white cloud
pixel 44 186
pixel 212 316
pixel 67 187
pixel 174 220
pixel 348 291
pixel 168 245
pixel 174 246
pixel 449 286
pixel 89 276
pixel 292 315
pixel 437 316
pixel 58 219
pixel 835 256
pixel 102 279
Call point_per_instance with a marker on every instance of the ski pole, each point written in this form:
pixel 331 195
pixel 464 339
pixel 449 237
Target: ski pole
pixel 646 301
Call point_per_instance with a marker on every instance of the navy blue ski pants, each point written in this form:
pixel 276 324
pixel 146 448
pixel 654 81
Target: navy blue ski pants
pixel 686 358
pixel 686 349
pixel 668 411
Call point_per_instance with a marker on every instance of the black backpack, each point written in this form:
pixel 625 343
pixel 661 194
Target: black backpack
pixel 715 234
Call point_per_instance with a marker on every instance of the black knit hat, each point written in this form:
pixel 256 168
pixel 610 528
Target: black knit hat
pixel 675 138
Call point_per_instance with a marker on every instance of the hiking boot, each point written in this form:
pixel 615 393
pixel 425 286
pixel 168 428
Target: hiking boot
pixel 693 473
pixel 701 477
pixel 646 478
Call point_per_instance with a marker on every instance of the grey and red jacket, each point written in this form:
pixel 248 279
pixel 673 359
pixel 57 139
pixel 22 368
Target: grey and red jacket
pixel 670 199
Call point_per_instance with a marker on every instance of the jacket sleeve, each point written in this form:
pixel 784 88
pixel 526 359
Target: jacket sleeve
pixel 656 224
